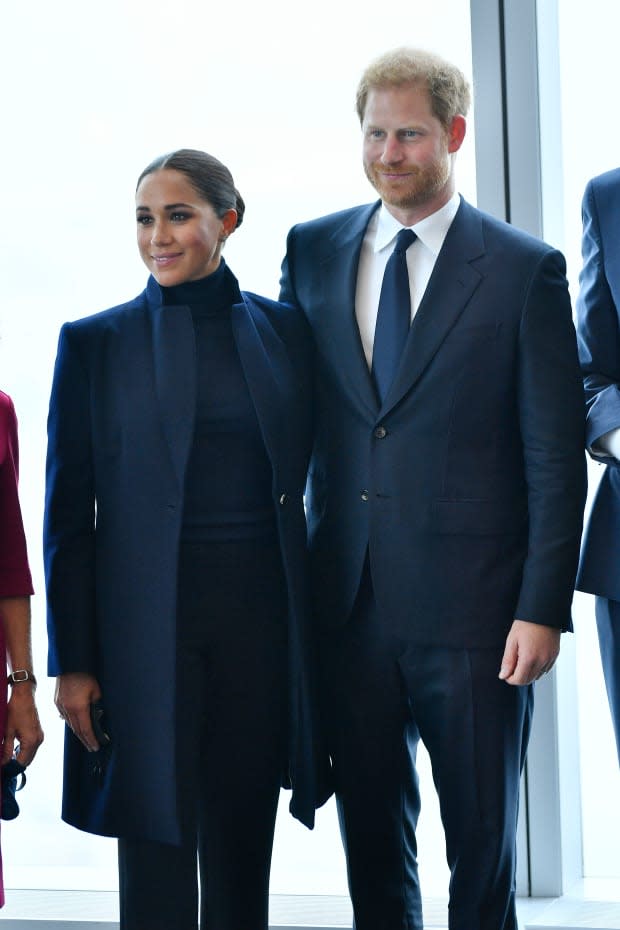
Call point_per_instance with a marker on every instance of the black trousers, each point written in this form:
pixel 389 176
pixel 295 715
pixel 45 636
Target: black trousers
pixel 230 747
pixel 383 695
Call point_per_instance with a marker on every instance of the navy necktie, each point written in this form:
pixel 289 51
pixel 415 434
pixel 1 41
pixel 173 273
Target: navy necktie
pixel 393 315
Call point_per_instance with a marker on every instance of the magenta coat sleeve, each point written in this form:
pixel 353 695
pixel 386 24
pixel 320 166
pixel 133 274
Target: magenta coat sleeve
pixel 15 578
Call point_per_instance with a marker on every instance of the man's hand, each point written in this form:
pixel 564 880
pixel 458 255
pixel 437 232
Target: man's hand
pixel 531 651
pixel 75 693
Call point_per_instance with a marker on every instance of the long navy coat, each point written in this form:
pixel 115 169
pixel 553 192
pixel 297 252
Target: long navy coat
pixel 120 431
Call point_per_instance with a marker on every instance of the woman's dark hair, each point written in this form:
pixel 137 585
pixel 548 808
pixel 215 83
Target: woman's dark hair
pixel 209 177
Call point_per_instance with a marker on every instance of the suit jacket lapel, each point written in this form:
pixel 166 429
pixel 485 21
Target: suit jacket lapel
pixel 174 355
pixel 336 330
pixel 451 285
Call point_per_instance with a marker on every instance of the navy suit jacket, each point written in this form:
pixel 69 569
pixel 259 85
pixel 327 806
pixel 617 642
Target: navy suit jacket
pixel 598 331
pixel 120 431
pixel 466 487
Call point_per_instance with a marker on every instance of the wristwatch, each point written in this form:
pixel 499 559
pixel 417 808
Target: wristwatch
pixel 20 675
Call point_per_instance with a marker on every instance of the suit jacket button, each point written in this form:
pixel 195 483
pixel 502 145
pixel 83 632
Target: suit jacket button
pixel 380 432
pixel 365 495
pixel 282 499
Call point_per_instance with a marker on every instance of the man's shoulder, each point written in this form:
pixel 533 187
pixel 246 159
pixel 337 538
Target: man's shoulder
pixel 601 200
pixel 608 181
pixel 499 233
pixel 332 222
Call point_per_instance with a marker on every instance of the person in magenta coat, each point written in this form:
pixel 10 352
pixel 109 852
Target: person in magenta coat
pixel 20 730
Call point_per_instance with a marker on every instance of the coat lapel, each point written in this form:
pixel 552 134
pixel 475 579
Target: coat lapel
pixel 174 355
pixel 267 370
pixel 451 285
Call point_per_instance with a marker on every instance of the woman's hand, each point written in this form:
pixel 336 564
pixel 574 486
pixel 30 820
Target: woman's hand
pixel 23 734
pixel 75 692
pixel 22 722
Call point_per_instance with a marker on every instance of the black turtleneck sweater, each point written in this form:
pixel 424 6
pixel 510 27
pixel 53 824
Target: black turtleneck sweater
pixel 228 479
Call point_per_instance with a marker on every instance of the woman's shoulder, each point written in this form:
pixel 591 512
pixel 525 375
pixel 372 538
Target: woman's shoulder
pixel 266 303
pixel 6 404
pixel 279 313
pixel 8 425
pixel 85 337
pixel 7 411
pixel 101 320
pixel 290 326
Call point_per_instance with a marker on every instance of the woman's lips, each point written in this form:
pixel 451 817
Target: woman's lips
pixel 162 260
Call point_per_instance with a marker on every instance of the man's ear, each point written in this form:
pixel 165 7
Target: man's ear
pixel 456 133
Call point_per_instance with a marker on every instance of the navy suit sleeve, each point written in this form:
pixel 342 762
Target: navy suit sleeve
pixel 69 522
pixel 552 423
pixel 287 291
pixel 597 327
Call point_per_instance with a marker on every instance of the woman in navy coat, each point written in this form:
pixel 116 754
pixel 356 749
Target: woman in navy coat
pixel 175 547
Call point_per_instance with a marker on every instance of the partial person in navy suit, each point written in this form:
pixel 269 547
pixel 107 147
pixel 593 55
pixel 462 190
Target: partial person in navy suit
pixel 445 499
pixel 175 557
pixel 598 332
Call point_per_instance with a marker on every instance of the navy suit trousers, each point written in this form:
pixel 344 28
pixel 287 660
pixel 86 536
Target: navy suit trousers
pixel 383 695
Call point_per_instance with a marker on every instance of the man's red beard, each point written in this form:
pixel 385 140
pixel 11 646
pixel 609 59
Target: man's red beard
pixel 418 185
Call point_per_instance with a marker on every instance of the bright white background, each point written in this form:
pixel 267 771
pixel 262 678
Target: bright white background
pixel 91 93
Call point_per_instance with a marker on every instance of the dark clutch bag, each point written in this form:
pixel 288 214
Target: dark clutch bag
pixel 98 760
pixel 13 778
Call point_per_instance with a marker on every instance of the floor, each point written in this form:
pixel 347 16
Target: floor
pixel 592 904
pixel 589 906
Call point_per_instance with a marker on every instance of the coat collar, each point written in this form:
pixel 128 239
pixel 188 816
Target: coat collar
pixel 263 356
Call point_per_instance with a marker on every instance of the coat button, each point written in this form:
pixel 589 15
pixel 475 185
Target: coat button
pixel 365 495
pixel 380 432
pixel 283 499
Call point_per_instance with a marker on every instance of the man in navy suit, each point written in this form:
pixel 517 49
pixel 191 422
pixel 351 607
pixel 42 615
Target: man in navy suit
pixel 598 319
pixel 444 504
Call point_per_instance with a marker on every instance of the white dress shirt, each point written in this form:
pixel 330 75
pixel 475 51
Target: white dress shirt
pixel 608 444
pixel 377 247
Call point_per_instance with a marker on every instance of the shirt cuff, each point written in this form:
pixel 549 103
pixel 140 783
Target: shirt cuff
pixel 608 444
